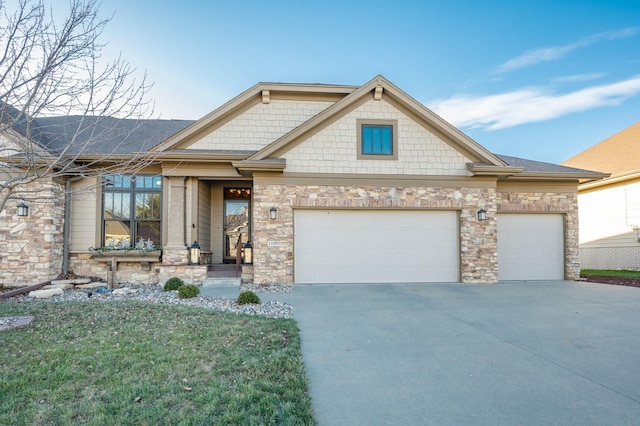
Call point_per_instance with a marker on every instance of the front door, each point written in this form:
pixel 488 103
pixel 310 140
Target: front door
pixel 237 207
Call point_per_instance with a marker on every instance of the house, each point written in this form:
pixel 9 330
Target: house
pixel 329 183
pixel 610 208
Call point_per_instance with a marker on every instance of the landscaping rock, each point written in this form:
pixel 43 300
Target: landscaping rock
pixel 7 323
pixel 63 286
pixel 92 285
pixel 123 291
pixel 45 294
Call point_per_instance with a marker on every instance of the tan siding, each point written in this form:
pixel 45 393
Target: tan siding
pixel 204 215
pixel 217 223
pixel 260 125
pixel 334 148
pixel 85 217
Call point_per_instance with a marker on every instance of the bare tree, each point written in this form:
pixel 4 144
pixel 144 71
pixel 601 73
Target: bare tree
pixel 64 110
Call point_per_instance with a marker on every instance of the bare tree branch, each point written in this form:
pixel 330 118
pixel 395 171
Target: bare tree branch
pixel 64 109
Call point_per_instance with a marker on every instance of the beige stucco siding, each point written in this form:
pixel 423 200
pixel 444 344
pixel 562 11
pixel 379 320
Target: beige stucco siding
pixel 260 125
pixel 85 217
pixel 334 148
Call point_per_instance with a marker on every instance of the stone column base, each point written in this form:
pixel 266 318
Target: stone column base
pixel 175 256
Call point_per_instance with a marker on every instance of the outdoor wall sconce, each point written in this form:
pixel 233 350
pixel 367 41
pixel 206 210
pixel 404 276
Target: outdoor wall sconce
pixel 273 213
pixel 23 210
pixel 482 214
pixel 194 253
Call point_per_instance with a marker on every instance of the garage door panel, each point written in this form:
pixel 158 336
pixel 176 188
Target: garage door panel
pixel 530 247
pixel 341 246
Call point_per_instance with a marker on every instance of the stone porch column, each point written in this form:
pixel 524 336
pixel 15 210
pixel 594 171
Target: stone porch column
pixel 175 252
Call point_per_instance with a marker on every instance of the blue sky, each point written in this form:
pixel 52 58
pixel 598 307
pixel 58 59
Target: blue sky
pixel 542 80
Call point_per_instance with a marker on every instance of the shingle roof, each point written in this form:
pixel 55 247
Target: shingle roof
pixel 617 154
pixel 539 166
pixel 102 135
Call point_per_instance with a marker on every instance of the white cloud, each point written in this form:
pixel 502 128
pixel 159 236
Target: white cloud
pixel 545 54
pixel 578 77
pixel 529 105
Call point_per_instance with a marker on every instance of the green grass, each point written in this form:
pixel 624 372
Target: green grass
pixel 132 363
pixel 610 273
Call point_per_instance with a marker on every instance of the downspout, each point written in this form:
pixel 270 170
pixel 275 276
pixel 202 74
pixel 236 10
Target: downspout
pixel 67 225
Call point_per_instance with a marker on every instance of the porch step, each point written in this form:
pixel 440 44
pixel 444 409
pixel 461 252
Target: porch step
pixel 224 271
pixel 222 282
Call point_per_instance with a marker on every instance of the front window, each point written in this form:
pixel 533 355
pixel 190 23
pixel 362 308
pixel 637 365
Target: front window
pixel 131 210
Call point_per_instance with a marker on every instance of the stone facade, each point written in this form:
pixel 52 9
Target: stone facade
pixel 478 240
pixel 549 202
pixel 136 272
pixel 31 248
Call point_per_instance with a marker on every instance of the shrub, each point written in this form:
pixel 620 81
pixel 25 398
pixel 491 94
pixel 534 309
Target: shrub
pixel 248 297
pixel 173 284
pixel 188 291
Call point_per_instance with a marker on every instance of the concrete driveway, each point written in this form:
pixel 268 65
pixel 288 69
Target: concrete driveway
pixel 513 353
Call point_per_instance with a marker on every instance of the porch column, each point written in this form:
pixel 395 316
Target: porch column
pixel 175 252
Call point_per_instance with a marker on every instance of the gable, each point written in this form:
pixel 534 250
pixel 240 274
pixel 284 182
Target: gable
pixel 334 149
pixel 260 125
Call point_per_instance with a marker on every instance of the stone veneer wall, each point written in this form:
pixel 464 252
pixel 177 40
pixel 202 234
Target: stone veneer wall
pixel 31 248
pixel 549 202
pixel 81 263
pixel 478 240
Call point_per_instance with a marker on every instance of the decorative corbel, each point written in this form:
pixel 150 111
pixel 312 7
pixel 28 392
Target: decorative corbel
pixel 377 95
pixel 266 97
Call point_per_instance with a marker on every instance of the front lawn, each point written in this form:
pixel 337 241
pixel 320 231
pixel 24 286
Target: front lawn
pixel 147 364
pixel 617 273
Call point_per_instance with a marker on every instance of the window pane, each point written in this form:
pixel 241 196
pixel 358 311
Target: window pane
pixel 367 145
pixel 117 232
pixel 148 230
pixel 116 205
pixel 377 140
pixel 147 206
pixel 116 181
pixel 386 145
pixel 149 182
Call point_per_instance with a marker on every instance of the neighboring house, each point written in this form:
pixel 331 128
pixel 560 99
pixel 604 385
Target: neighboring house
pixel 331 184
pixel 610 208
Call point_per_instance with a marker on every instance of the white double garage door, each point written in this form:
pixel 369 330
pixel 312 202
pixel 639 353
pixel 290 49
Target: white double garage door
pixel 386 246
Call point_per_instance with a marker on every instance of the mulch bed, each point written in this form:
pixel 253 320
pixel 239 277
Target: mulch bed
pixel 629 282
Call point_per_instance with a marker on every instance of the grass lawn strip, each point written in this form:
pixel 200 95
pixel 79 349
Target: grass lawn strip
pixel 146 364
pixel 611 273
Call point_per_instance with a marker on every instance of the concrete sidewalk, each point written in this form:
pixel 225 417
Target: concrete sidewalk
pixel 513 353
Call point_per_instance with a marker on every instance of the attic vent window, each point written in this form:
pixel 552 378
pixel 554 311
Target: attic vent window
pixel 377 139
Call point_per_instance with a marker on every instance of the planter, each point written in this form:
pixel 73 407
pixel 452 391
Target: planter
pixel 145 258
pixel 127 256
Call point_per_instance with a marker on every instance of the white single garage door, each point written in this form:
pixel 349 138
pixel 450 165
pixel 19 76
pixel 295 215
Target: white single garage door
pixel 381 246
pixel 530 247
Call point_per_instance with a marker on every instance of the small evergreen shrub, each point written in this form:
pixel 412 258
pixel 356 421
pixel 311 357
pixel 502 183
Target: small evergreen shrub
pixel 188 291
pixel 173 283
pixel 248 297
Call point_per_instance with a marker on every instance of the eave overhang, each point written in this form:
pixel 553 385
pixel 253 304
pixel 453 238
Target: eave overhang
pixel 492 170
pixel 558 176
pixel 248 167
pixel 610 179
